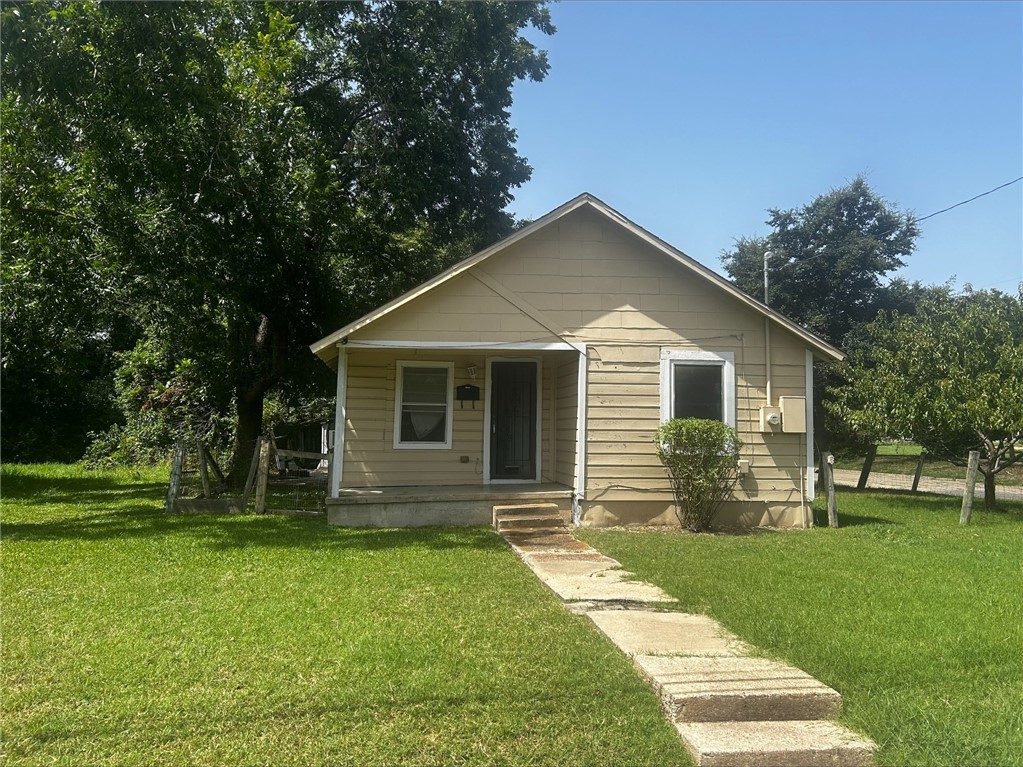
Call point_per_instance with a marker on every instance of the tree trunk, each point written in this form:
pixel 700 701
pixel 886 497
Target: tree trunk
pixel 989 490
pixel 249 408
pixel 258 359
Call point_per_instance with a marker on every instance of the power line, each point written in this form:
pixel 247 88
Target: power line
pixel 915 220
pixel 982 194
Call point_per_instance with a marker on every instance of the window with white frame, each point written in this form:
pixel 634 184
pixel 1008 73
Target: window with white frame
pixel 698 385
pixel 423 404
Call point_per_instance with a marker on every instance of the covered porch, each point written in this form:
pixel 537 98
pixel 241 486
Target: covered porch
pixel 430 433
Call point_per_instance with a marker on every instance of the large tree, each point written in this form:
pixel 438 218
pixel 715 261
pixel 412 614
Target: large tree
pixel 827 270
pixel 949 375
pixel 828 260
pixel 244 176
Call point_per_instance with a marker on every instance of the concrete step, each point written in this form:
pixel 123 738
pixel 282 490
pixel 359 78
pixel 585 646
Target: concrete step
pixel 775 744
pixel 525 510
pixel 536 521
pixel 717 689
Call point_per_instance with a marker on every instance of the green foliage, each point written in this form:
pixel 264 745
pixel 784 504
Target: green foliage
pixel 948 376
pixel 701 458
pixel 245 177
pixel 828 259
pixel 164 397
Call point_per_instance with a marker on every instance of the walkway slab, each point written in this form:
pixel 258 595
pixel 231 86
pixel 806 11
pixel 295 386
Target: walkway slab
pixel 590 576
pixel 544 539
pixel 644 632
pixel 714 689
pixel 775 744
pixel 731 710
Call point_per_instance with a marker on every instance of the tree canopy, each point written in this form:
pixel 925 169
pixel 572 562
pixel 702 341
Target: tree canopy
pixel 947 375
pixel 829 258
pixel 234 179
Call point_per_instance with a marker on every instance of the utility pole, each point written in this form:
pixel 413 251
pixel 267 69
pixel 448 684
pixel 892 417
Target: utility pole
pixel 767 256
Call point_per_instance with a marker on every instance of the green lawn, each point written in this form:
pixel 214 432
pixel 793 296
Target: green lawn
pixel 917 621
pixel 136 638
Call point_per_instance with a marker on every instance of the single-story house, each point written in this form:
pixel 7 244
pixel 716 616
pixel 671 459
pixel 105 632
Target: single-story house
pixel 540 367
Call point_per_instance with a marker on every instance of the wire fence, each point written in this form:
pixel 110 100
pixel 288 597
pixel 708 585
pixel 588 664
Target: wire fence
pixel 905 471
pixel 280 481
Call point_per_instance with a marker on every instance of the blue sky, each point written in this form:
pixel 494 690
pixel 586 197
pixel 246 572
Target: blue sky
pixel 693 118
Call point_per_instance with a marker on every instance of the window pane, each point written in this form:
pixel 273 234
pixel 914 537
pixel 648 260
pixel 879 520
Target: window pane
pixel 424 404
pixel 425 385
pixel 423 423
pixel 698 391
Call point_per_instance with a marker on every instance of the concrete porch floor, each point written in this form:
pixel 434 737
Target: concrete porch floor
pixel 419 505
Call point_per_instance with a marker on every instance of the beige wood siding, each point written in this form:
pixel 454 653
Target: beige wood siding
pixel 462 310
pixel 585 280
pixel 370 456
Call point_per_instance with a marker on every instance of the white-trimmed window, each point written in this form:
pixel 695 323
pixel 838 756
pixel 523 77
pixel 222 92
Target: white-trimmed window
pixel 423 405
pixel 698 385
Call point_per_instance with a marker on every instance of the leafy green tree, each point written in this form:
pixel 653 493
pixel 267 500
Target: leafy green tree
pixel 245 176
pixel 829 260
pixel 948 375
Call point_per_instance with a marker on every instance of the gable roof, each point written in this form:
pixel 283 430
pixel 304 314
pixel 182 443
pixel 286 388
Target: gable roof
pixel 324 348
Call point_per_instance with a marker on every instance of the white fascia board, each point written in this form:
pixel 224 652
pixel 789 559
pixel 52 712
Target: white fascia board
pixel 497 346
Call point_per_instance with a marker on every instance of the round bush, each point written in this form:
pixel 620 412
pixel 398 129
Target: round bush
pixel 701 458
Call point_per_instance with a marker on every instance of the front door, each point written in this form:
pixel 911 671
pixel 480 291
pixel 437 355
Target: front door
pixel 513 420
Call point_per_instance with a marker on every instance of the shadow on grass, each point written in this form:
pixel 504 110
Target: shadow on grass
pixel 221 531
pixel 44 491
pixel 820 519
pixel 135 511
pixel 868 507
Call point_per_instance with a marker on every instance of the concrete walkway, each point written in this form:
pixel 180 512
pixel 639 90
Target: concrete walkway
pixel 937 485
pixel 729 708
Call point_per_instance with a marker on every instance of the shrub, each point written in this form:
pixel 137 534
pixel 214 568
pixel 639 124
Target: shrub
pixel 701 458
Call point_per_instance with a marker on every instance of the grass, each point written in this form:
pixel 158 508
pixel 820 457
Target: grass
pixel 136 638
pixel 902 458
pixel 917 621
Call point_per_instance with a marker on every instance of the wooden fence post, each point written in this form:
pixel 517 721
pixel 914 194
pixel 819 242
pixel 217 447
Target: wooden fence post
pixel 175 477
pixel 263 476
pixel 204 471
pixel 868 464
pixel 919 470
pixel 253 468
pixel 828 464
pixel 971 486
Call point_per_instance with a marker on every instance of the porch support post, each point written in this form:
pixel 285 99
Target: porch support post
pixel 580 432
pixel 338 457
pixel 810 490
